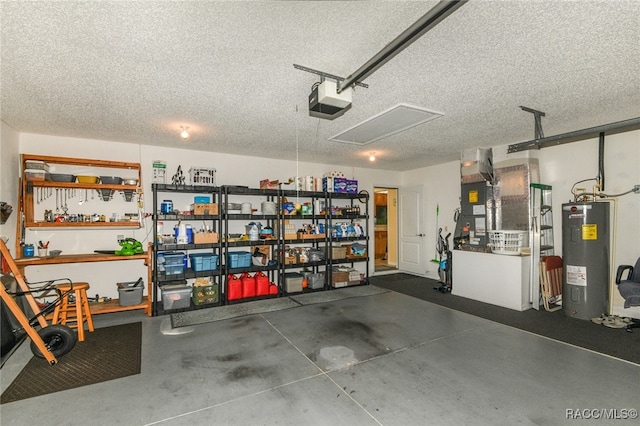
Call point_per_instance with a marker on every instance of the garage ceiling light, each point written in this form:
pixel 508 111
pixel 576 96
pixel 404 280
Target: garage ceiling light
pixel 394 120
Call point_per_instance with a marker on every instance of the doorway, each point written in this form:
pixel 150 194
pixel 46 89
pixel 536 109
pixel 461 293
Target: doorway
pixel 385 213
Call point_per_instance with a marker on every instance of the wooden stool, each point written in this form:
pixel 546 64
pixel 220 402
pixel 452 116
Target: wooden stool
pixel 75 313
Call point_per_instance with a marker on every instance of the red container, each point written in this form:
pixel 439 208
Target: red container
pixel 248 285
pixel 273 289
pixel 234 287
pixel 262 284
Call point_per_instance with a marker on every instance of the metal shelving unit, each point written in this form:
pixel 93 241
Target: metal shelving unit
pixel 540 235
pixel 352 208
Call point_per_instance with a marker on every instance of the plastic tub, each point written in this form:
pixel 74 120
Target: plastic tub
pixel 204 262
pixel 238 259
pixel 111 180
pixel 87 179
pixel 62 177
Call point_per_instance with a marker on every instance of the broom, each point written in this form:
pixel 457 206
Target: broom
pixel 435 256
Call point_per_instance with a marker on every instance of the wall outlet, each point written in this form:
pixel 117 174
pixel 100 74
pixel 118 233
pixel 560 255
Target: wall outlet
pixel 120 238
pixel 636 189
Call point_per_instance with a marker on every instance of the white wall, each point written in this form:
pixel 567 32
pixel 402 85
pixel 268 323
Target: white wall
pixel 560 166
pixel 9 172
pixel 563 165
pixel 231 170
pixel 441 186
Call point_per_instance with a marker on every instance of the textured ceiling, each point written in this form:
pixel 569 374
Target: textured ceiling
pixel 136 71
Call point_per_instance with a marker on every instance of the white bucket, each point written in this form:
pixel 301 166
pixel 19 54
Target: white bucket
pixel 268 207
pixel 245 208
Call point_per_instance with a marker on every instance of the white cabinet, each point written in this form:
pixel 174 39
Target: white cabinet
pixel 501 280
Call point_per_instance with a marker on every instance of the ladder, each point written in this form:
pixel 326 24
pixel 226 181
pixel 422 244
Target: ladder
pixel 541 242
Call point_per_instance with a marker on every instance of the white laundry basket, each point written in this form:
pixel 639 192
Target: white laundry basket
pixel 506 242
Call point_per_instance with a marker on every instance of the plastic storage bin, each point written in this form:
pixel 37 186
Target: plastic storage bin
pixel 204 262
pixel 315 280
pixel 238 259
pixel 205 176
pixel 176 297
pixel 205 294
pixel 172 263
pixel 293 282
pixel 130 293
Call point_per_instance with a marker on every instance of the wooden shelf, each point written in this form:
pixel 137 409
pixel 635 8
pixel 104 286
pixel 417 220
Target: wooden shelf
pixel 114 306
pixel 78 185
pixel 95 225
pixel 76 258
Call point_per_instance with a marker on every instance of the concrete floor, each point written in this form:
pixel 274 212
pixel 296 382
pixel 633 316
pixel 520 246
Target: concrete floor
pixel 385 359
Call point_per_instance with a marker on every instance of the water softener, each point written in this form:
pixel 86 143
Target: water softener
pixel 585 254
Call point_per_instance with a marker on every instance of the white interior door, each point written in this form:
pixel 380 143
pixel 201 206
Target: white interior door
pixel 412 254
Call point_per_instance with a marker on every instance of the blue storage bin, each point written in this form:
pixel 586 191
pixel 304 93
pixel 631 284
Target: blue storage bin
pixel 174 269
pixel 238 259
pixel 204 262
pixel 173 258
pixel 172 263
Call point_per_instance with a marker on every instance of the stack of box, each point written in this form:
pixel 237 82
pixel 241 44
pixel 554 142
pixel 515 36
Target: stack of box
pixel 344 276
pixel 338 183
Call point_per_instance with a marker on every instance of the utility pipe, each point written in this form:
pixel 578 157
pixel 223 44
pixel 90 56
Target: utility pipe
pixel 601 161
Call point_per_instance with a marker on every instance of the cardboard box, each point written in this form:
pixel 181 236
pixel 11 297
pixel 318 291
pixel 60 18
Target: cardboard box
pixel 352 186
pixel 338 252
pixel 340 185
pixel 205 238
pixel 343 277
pixel 266 250
pixel 210 209
pixel 269 184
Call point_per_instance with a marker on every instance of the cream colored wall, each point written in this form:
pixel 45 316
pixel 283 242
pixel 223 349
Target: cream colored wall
pixel 9 143
pixel 231 170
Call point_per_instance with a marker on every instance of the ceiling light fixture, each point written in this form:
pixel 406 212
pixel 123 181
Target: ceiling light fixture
pixel 372 156
pixel 184 134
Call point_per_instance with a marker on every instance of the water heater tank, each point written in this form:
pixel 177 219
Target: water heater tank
pixel 585 254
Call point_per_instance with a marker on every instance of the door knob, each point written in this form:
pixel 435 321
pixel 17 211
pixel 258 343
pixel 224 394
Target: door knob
pixel 420 235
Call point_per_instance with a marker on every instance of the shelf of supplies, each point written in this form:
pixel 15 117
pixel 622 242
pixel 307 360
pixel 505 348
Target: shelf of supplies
pixel 85 225
pixel 76 258
pixel 114 306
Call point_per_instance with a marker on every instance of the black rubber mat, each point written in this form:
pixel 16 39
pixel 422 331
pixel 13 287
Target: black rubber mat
pixel 617 343
pixel 106 354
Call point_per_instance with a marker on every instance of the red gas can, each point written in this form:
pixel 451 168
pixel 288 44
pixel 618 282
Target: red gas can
pixel 234 287
pixel 248 285
pixel 262 284
pixel 273 289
